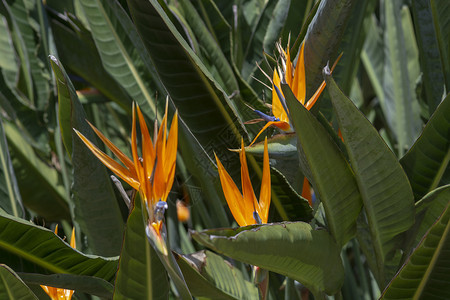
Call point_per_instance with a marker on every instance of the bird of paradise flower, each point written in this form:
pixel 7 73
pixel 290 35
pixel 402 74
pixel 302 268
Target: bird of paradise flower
pixel 296 79
pixel 151 174
pixel 245 208
pixel 60 293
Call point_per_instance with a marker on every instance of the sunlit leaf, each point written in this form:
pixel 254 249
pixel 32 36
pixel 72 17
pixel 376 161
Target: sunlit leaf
pixel 141 274
pixel 426 273
pixel 43 248
pixel 96 207
pixel 12 287
pixel 427 160
pixel 327 170
pixel 209 275
pixel 292 249
pixel 384 187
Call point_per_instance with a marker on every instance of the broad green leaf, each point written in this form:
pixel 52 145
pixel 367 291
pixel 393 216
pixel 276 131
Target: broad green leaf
pixel 429 209
pixel 209 275
pixel 297 14
pixel 122 51
pixel 27 26
pixel 77 50
pixel 426 273
pixel 441 18
pixel 269 22
pixel 322 39
pixel 19 42
pixel 351 46
pixel 141 274
pixel 8 60
pixel 96 207
pixel 12 287
pixel 81 283
pixel 43 248
pixel 430 58
pixel 212 55
pixel 384 187
pixel 372 56
pixel 401 71
pixel 328 171
pixel 10 200
pixel 214 59
pixel 294 249
pixel 427 160
pixel 40 186
pixel 201 103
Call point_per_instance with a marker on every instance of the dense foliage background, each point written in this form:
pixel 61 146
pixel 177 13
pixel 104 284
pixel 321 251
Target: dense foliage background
pixel 379 223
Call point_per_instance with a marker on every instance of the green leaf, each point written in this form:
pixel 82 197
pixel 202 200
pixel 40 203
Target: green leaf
pixel 372 56
pixel 351 45
pixel 322 39
pixel 203 169
pixel 441 18
pixel 8 59
pixel 122 52
pixel 426 273
pixel 430 58
pixel 26 26
pixel 141 274
pixel 298 11
pixel 201 103
pixel 40 186
pixel 81 283
pixel 210 50
pixel 385 191
pixel 264 34
pixel 96 207
pixel 10 200
pixel 327 170
pixel 77 50
pixel 12 287
pixel 401 71
pixel 429 209
pixel 43 248
pixel 209 275
pixel 427 160
pixel 293 249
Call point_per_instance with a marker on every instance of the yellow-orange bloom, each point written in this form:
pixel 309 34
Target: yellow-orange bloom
pixel 295 78
pixel 153 173
pixel 60 293
pixel 245 208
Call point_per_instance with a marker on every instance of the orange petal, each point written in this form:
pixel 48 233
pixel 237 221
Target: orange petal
pixel 277 108
pixel 114 166
pixel 232 194
pixel 171 154
pixel 265 193
pixel 250 203
pixel 72 239
pixel 122 157
pixel 299 82
pixel 280 124
pixel 261 131
pixel 159 181
pixel 288 72
pixel 148 152
pixel 306 191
